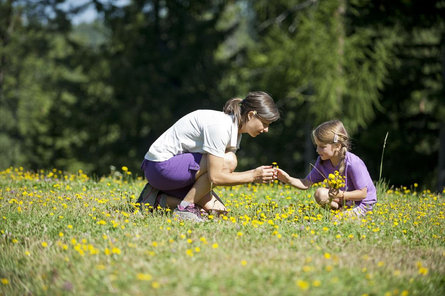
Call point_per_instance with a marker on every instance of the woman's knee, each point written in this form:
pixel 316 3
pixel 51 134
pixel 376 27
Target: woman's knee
pixel 230 161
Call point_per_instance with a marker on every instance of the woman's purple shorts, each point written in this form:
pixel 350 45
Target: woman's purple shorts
pixel 174 176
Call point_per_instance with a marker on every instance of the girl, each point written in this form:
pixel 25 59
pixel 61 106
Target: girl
pixel 198 152
pixel 332 141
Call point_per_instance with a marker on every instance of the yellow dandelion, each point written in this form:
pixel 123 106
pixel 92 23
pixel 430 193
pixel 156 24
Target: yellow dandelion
pixel 155 285
pixel 423 270
pixel 303 285
pixel 215 246
pixel 316 283
pixel 44 244
pixel 5 281
pixel 144 277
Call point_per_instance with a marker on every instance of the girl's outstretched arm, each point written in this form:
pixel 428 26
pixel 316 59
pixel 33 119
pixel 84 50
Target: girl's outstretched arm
pixel 284 177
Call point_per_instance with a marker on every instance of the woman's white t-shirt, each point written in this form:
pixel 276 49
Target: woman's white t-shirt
pixel 201 131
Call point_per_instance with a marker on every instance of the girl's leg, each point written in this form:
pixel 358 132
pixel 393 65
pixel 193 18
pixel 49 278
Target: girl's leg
pixel 322 198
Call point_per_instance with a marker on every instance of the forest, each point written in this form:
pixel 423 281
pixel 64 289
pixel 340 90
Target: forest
pixel 93 95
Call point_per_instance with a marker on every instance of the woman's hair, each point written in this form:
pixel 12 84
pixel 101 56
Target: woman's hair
pixel 257 101
pixel 331 132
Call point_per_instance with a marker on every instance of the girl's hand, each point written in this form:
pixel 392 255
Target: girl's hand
pixel 337 197
pixel 282 176
pixel 264 174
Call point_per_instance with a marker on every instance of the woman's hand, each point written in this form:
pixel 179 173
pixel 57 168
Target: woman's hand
pixel 264 174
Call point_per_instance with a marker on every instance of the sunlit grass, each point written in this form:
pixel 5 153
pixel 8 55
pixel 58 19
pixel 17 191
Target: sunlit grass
pixel 65 233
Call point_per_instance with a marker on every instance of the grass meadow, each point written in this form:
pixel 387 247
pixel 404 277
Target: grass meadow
pixel 70 234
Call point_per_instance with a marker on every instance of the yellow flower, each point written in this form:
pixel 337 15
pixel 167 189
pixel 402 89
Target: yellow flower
pixel 243 262
pixel 124 168
pixel 44 244
pixel 144 277
pixel 423 270
pixel 303 285
pixel 215 246
pixel 4 281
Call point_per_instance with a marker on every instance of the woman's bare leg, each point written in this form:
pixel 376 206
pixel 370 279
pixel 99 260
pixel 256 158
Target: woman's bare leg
pixel 200 192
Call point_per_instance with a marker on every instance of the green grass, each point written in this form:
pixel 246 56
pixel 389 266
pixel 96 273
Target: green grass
pixel 65 234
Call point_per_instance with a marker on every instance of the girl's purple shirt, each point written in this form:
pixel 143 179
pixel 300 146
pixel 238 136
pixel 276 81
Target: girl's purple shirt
pixel 356 175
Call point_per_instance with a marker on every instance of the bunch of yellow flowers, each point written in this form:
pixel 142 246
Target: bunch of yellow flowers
pixel 334 181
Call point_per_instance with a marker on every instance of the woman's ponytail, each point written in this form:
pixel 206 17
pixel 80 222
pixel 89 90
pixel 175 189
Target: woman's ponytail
pixel 233 107
pixel 257 101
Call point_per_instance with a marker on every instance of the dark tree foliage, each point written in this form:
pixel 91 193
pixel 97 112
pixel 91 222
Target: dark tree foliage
pixel 413 105
pixel 88 96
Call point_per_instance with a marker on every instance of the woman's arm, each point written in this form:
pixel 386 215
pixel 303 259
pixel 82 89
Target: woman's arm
pixel 218 176
pixel 284 177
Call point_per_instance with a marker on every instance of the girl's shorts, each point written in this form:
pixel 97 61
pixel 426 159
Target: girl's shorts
pixel 360 211
pixel 174 176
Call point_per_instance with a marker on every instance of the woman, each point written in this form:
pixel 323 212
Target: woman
pixel 198 152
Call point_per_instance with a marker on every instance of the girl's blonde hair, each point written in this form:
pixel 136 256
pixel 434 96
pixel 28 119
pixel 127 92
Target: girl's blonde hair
pixel 258 101
pixel 330 132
